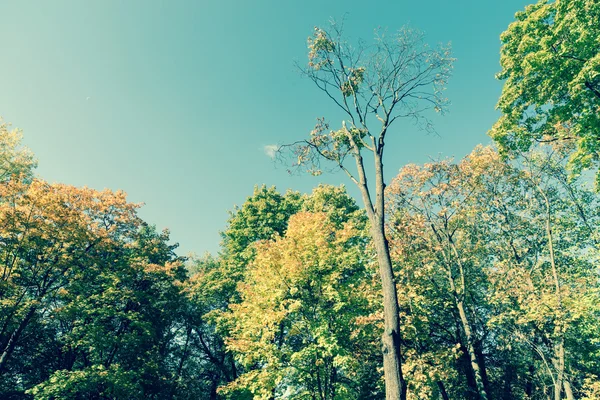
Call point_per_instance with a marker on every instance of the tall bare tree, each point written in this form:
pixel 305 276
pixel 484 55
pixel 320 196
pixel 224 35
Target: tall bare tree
pixel 397 77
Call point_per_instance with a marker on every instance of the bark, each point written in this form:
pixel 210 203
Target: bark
pixel 560 370
pixel 568 390
pixel 471 349
pixel 442 389
pixel 559 347
pixel 395 385
pixel 482 367
pixel 467 369
pixel 14 338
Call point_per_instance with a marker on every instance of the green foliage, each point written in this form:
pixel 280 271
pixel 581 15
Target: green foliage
pixel 296 326
pixel 262 215
pixel 551 66
pixel 215 280
pixel 495 260
pixel 95 382
pixel 335 202
pixel 91 296
pixel 516 246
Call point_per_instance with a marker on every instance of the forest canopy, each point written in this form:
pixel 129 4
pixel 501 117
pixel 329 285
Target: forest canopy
pixel 469 278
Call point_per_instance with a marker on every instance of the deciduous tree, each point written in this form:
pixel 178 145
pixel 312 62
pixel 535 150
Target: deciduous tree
pixel 551 67
pixel 296 327
pixel 398 77
pixel 15 160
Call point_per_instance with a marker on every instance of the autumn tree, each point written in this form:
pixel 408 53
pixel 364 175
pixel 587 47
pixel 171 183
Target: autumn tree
pixel 512 244
pixel 435 224
pixel 90 294
pixel 48 230
pixel 540 239
pixel 551 67
pixel 94 302
pixel 15 160
pixel 297 327
pixel 560 268
pixel 398 77
pixel 213 283
pixel 213 286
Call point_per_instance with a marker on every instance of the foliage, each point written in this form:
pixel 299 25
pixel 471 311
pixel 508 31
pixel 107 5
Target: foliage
pixel 476 279
pixel 514 246
pixel 399 77
pixel 551 67
pixel 15 161
pixel 295 328
pixel 90 295
pixel 261 216
pixel 213 285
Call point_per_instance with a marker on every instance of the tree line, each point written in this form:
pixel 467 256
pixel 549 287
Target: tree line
pixel 458 279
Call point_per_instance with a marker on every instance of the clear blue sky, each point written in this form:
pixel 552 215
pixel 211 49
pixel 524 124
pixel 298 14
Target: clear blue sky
pixel 174 101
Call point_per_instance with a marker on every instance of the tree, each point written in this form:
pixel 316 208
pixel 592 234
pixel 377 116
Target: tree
pixel 121 320
pixel 506 253
pixel 91 301
pixel 213 284
pixel 398 77
pixel 551 66
pixel 15 161
pixel 557 295
pixel 434 224
pixel 296 329
pixel 47 233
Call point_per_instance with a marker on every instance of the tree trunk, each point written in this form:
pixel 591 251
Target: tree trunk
pixel 442 389
pixel 12 342
pixel 459 295
pixel 559 364
pixel 559 348
pixel 482 368
pixel 480 375
pixel 466 368
pixel 568 390
pixel 471 349
pixel 395 386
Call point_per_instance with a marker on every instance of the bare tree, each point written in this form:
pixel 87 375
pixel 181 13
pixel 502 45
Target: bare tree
pixel 397 77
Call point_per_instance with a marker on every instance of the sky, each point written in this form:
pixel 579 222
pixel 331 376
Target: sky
pixel 177 102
